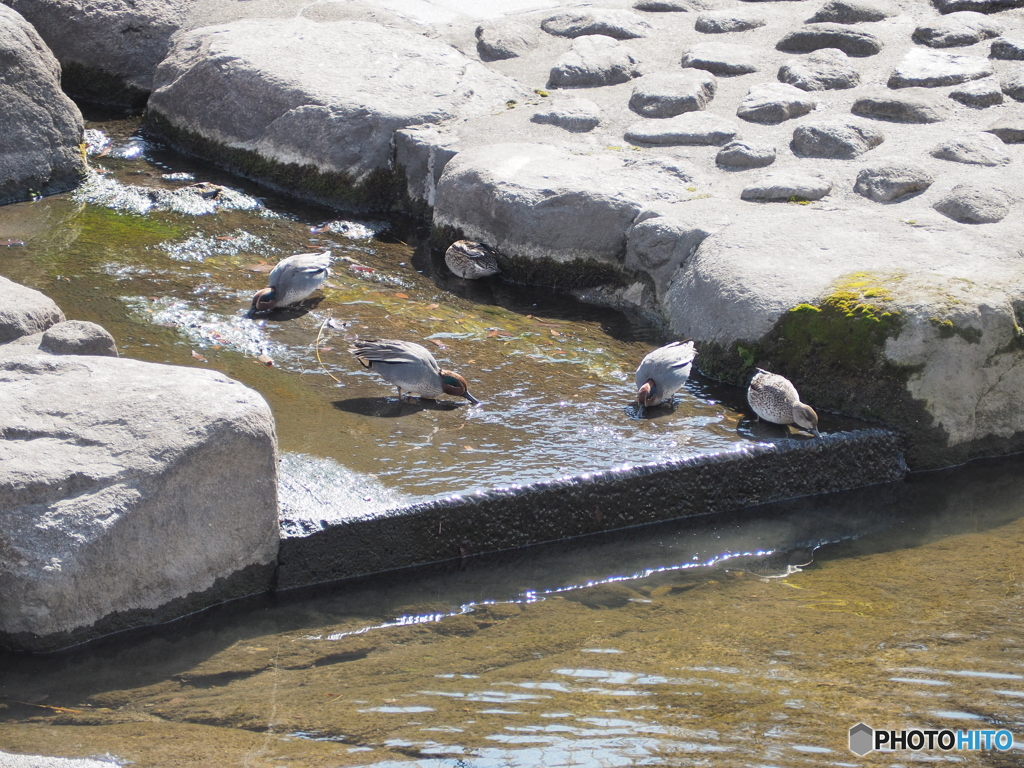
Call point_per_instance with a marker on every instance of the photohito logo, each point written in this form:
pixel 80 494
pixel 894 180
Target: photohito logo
pixel 864 739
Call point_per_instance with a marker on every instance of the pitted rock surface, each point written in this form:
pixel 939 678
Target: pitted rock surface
pixel 774 103
pixel 813 37
pixel 824 70
pixel 725 59
pixel 743 154
pixel 886 181
pixel 622 25
pixel 851 12
pixel 786 186
pixel 979 94
pixel 932 69
pixel 571 113
pixel 667 94
pixel 730 20
pixel 594 60
pixel 908 105
pixel 974 204
pixel 835 139
pixel 699 128
pixel 957 30
pixel 975 149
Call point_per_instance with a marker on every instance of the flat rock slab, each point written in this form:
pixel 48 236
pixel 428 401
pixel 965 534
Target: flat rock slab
pixel 822 70
pixel 572 114
pixel 1010 129
pixel 932 69
pixel 887 181
pixel 774 103
pixel 851 12
pixel 729 20
pixel 699 128
pixel 787 186
pixel 958 29
pixel 620 24
pixel 979 94
pixel 179 500
pixel 813 37
pixel 1012 82
pixel 667 94
pixel 328 96
pixel 594 60
pixel 665 6
pixel 972 203
pixel 25 311
pixel 974 149
pixel 726 59
pixel 1007 49
pixel 42 128
pixel 980 6
pixel 744 154
pixel 908 105
pixel 505 39
pixel 835 139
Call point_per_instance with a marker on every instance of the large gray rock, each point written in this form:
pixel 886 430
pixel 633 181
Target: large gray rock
pixel 163 476
pixel 908 105
pixel 24 311
pixel 973 203
pixel 974 149
pixel 773 103
pixel 541 202
pixel 851 12
pixel 594 60
pixel 1007 48
pixel 833 139
pixel 744 154
pixel 42 128
pixel 315 100
pixel 572 114
pixel 617 23
pixel 667 94
pixel 823 70
pixel 979 94
pixel 658 245
pixel 786 186
pixel 813 37
pixel 699 128
pixel 505 39
pixel 109 49
pixel 724 59
pixel 1011 82
pixel 78 337
pixel 932 69
pixel 979 6
pixel 958 29
pixel 886 181
pixel 727 20
pixel 1009 128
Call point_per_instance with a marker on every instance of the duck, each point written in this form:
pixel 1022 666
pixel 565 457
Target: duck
pixel 411 367
pixel 775 399
pixel 292 280
pixel 663 372
pixel 470 260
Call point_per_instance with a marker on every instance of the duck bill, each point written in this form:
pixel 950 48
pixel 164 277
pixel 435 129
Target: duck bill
pixel 471 399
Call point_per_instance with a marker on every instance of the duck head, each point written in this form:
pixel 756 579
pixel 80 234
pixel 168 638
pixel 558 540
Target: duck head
pixel 647 395
pixel 264 301
pixel 453 384
pixel 805 417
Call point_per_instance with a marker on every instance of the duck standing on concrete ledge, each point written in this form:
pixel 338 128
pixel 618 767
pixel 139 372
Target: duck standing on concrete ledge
pixel 411 367
pixel 470 260
pixel 663 372
pixel 292 280
pixel 775 399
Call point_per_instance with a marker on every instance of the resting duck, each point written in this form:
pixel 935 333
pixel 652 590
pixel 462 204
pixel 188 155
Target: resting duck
pixel 292 280
pixel 411 367
pixel 775 399
pixel 663 372
pixel 470 260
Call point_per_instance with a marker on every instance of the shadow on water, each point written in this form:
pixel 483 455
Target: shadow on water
pixel 392 407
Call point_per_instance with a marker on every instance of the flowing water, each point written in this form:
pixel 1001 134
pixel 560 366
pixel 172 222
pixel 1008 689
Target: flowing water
pixel 756 639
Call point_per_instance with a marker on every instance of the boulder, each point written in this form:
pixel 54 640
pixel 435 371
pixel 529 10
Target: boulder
pixel 726 59
pixel 958 29
pixel 813 37
pixel 979 6
pixel 164 476
pixel 505 39
pixel 973 203
pixel 1007 48
pixel 78 337
pixel 1009 128
pixel 886 181
pixel 657 245
pixel 974 149
pixel 851 12
pixel 786 186
pixel 42 128
pixel 773 103
pixel 667 94
pixel 307 105
pixel 986 92
pixel 617 23
pixel 833 139
pixel 572 114
pixel 744 154
pixel 933 69
pixel 698 128
pixel 24 311
pixel 1011 81
pixel 728 20
pixel 109 49
pixel 421 153
pixel 594 60
pixel 822 70
pixel 667 6
pixel 908 105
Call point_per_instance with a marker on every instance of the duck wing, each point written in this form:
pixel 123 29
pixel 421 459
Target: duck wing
pixel 393 352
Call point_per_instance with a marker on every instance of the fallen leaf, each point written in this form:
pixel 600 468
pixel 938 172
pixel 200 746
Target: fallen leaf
pixel 265 359
pixel 261 267
pixel 226 237
pixel 555 333
pixel 493 333
pixel 402 295
pixel 440 344
pixel 360 268
pixel 199 357
pixel 433 306
pixel 468 448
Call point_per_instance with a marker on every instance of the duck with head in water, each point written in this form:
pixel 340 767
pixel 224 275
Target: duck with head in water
pixel 292 280
pixel 411 367
pixel 775 399
pixel 663 372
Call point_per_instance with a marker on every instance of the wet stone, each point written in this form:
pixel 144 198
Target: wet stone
pixel 1012 83
pixel 594 60
pixel 974 149
pixel 774 103
pixel 824 70
pixel 729 20
pixel 699 128
pixel 786 186
pixel 891 180
pixel 1007 48
pixel 813 37
pixel 744 154
pixel 974 204
pixel 672 93
pixel 851 12
pixel 1009 129
pixel 932 69
pixel 957 29
pixel 981 6
pixel 986 92
pixel 505 39
pixel 617 23
pixel 722 58
pixel 836 140
pixel 572 114
pixel 909 105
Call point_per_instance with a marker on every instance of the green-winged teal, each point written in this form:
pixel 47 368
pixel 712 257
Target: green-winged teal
pixel 292 280
pixel 775 399
pixel 411 367
pixel 470 260
pixel 663 372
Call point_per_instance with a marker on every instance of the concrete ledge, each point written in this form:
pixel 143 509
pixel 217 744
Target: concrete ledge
pixel 460 526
